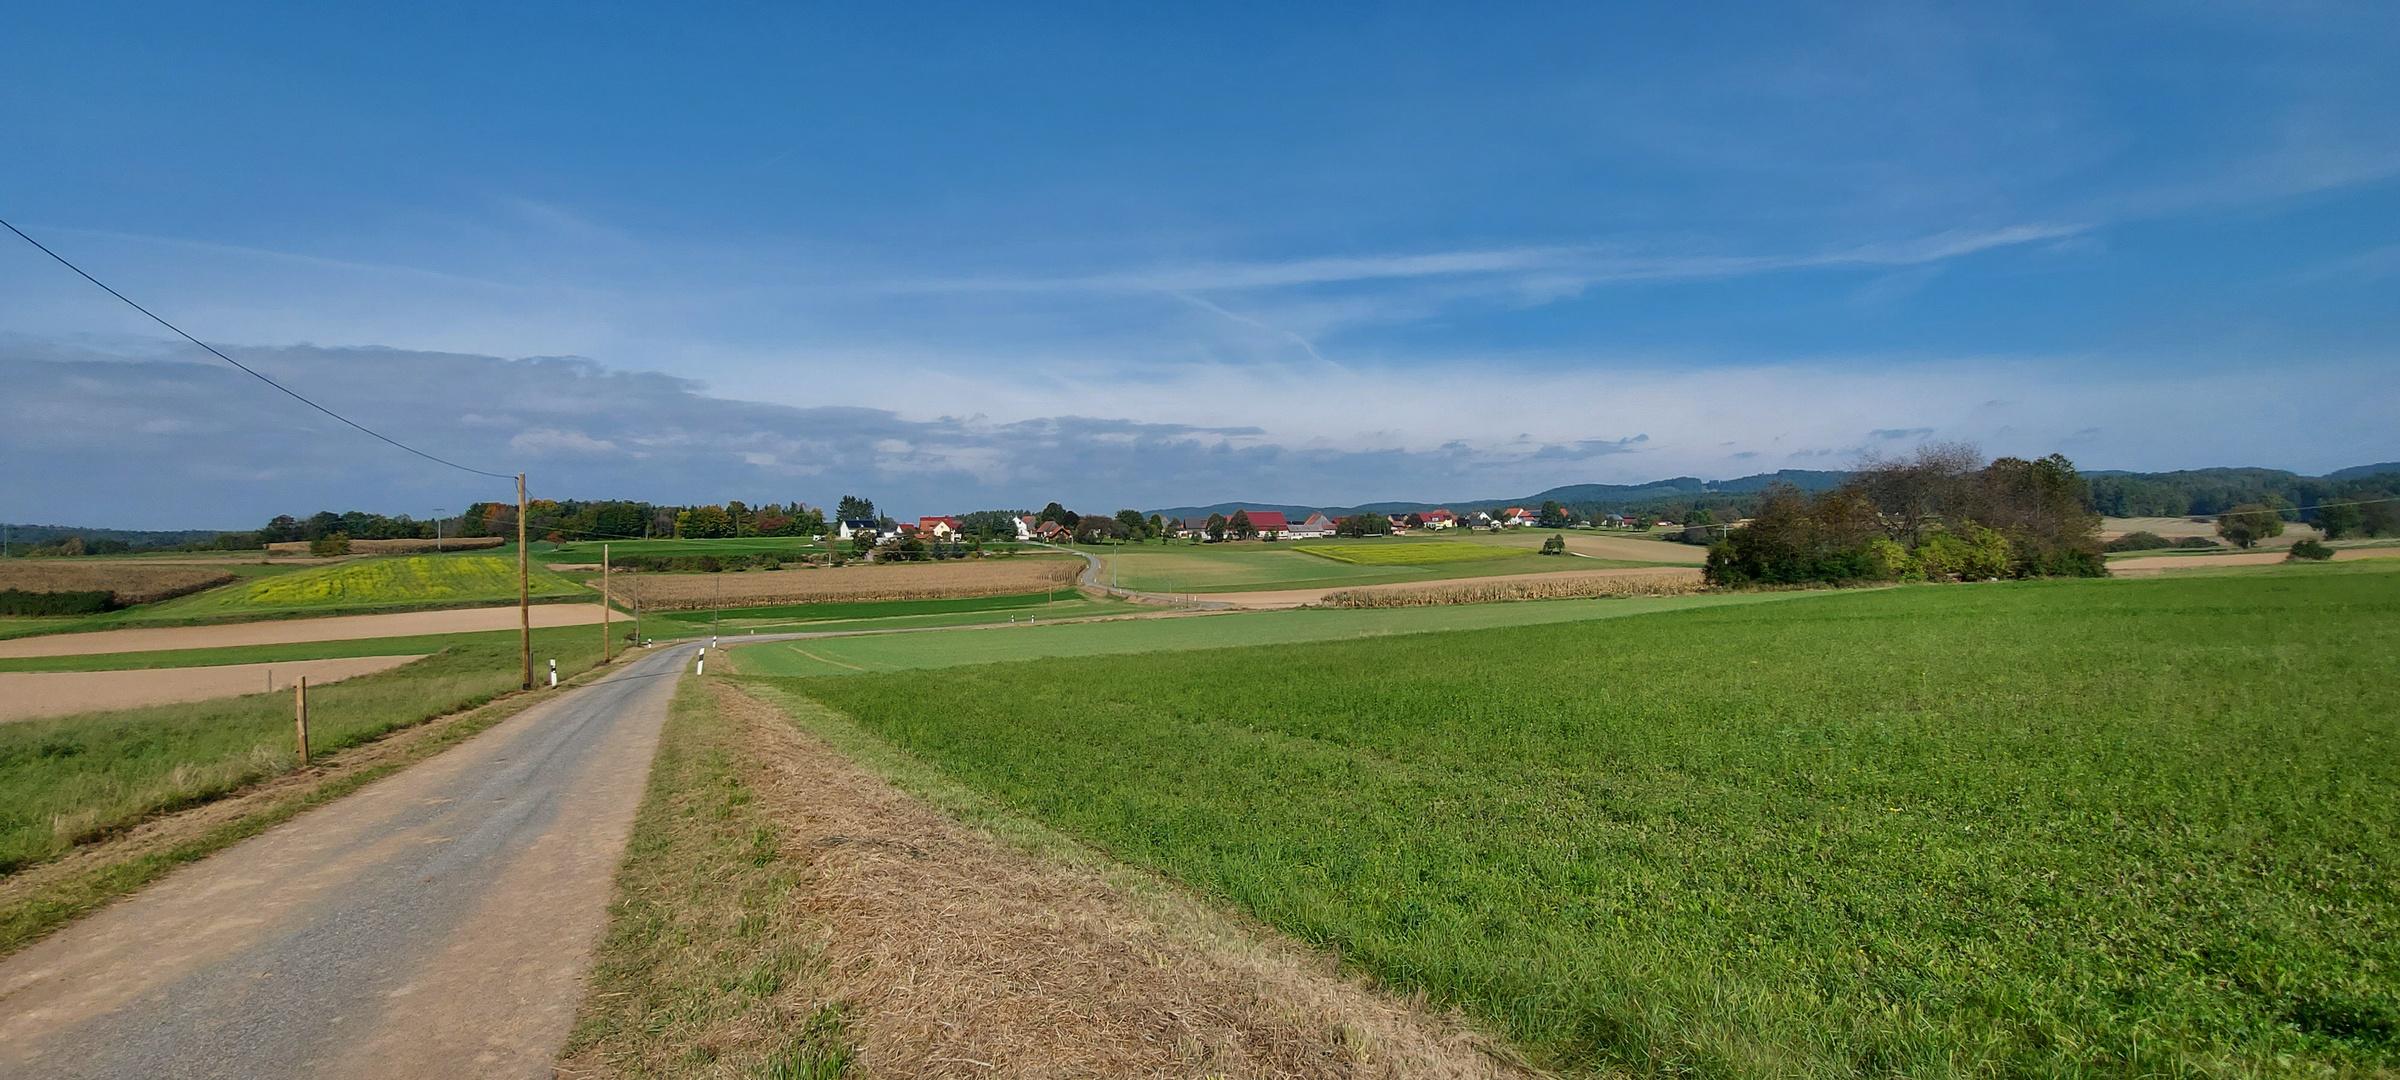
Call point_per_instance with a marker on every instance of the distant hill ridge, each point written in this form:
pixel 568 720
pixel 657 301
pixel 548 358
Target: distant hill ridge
pixel 2132 494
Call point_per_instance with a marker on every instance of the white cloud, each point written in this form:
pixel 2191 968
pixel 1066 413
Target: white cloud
pixel 197 444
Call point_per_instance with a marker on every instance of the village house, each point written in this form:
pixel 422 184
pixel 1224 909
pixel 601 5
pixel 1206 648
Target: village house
pixel 939 528
pixel 1192 528
pixel 1317 526
pixel 1516 517
pixel 850 526
pixel 1269 523
pixel 1480 520
pixel 1440 519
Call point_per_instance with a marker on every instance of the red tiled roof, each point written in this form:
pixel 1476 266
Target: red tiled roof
pixel 1264 520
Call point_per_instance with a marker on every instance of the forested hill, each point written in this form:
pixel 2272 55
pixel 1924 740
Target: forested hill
pixel 2117 494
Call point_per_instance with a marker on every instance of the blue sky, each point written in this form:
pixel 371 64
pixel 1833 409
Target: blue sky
pixel 973 255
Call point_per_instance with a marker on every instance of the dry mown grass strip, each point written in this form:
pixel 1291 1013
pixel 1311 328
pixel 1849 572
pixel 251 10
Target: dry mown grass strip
pixel 910 581
pixel 132 583
pixel 1562 587
pixel 956 954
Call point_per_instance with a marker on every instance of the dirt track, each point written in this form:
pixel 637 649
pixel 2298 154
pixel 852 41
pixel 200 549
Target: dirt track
pixel 28 695
pixel 2152 564
pixel 292 631
pixel 1291 598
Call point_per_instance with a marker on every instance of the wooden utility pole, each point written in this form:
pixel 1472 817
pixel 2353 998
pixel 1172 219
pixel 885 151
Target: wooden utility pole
pixel 605 644
pixel 524 589
pixel 300 716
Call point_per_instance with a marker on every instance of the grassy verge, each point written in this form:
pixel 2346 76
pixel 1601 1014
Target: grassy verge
pixel 692 977
pixel 71 780
pixel 2136 827
pixel 27 914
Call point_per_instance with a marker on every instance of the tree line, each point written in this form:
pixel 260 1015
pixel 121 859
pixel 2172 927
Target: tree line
pixel 1941 514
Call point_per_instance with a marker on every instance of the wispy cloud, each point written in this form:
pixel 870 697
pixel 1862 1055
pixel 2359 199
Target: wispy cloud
pixel 1582 265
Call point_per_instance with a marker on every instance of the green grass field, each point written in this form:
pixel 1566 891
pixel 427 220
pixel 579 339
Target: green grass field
pixel 2074 828
pixel 72 778
pixel 1427 553
pixel 1256 566
pixel 589 550
pixel 886 614
pixel 897 652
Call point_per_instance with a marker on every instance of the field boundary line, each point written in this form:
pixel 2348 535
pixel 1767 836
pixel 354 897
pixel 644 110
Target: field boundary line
pixel 40 900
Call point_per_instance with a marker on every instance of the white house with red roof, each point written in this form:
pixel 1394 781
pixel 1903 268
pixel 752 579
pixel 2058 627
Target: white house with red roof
pixel 941 528
pixel 1439 519
pixel 1516 517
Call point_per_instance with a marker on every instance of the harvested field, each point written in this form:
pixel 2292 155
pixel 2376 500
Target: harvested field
pixel 290 631
pixel 400 547
pixel 914 581
pixel 27 695
pixel 1559 587
pixel 132 582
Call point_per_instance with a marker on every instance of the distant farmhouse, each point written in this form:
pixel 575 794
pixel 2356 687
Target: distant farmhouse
pixel 1317 526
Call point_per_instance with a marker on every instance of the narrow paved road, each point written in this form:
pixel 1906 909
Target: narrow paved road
pixel 437 923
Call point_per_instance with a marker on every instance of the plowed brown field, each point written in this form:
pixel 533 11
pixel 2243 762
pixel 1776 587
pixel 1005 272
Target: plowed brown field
pixel 133 583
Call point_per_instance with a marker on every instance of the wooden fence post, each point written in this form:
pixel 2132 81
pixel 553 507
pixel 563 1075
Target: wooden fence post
pixel 300 716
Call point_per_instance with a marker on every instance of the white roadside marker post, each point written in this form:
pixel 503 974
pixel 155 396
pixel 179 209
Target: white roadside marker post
pixel 553 674
pixel 300 716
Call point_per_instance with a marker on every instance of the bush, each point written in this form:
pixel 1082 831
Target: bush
pixel 2308 551
pixel 2195 543
pixel 1556 545
pixel 20 602
pixel 2140 541
pixel 330 545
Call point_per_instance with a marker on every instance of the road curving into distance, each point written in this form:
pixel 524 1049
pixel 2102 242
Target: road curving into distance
pixel 437 923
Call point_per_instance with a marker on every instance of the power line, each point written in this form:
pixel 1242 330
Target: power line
pixel 62 261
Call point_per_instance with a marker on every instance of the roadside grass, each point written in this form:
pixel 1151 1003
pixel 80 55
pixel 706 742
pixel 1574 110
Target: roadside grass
pixel 697 973
pixel 1428 553
pixel 952 648
pixel 71 780
pixel 582 551
pixel 2137 827
pixel 1259 565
